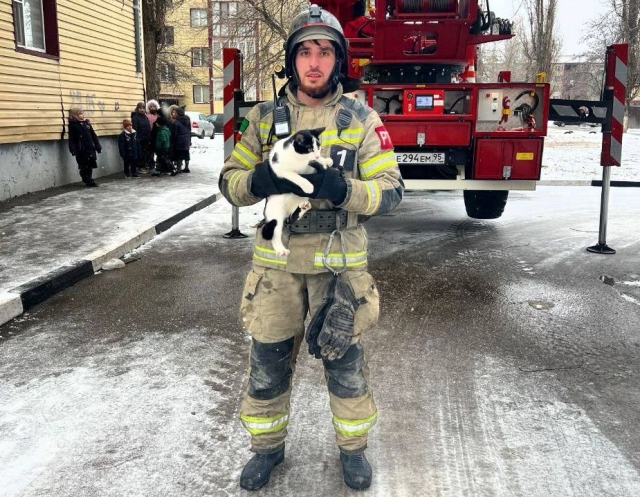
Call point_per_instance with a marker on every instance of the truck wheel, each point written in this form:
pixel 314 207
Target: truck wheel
pixel 482 204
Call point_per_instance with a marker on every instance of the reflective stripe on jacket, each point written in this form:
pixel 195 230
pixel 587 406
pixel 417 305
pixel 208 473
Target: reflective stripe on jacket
pixel 374 184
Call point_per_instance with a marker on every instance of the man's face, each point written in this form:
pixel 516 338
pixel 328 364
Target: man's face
pixel 314 64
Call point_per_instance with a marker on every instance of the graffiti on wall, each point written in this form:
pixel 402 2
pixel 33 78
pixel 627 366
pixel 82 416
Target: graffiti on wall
pixel 88 103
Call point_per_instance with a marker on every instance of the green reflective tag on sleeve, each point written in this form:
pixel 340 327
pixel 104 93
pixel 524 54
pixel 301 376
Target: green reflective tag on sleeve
pixel 244 125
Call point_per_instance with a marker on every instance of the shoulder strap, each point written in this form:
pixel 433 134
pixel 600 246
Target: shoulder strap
pixel 356 107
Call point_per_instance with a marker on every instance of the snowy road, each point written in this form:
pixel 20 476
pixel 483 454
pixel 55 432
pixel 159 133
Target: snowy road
pixel 503 364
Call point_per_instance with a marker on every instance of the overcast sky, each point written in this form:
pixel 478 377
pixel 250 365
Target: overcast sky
pixel 571 15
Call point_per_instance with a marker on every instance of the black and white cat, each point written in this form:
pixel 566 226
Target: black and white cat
pixel 289 158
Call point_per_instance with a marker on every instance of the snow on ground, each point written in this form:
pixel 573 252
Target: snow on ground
pixel 95 386
pixel 573 153
pixel 570 153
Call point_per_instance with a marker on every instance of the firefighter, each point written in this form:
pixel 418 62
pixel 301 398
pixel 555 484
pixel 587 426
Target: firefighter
pixel 327 244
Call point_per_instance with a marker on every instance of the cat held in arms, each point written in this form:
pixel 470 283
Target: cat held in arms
pixel 289 158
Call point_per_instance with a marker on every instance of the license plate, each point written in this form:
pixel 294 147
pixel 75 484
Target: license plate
pixel 420 157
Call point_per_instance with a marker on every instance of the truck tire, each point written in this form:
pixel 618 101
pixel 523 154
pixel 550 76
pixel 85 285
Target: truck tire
pixel 483 204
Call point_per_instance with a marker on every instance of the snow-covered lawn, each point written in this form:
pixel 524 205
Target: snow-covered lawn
pixel 573 153
pixel 570 153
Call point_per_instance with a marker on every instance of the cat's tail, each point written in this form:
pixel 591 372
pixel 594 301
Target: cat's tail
pixel 267 229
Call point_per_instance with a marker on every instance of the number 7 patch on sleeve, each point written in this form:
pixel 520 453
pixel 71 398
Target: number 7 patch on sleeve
pixel 343 157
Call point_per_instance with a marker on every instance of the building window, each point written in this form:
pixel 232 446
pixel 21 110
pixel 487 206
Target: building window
pixel 199 57
pixel 218 86
pixel 224 13
pixel 36 26
pixel 167 73
pixel 246 47
pixel 250 93
pixel 201 94
pixel 198 18
pixel 217 50
pixel 167 35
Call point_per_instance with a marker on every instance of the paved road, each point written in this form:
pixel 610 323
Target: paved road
pixel 506 363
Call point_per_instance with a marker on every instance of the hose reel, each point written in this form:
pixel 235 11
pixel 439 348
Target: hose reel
pixel 427 6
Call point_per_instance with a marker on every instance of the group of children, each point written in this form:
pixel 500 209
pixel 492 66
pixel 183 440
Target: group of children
pixel 146 134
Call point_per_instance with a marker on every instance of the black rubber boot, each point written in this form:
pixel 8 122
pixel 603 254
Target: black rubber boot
pixel 356 470
pixel 257 471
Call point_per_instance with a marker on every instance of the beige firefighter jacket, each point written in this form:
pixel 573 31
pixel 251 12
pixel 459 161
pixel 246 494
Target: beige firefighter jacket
pixel 374 184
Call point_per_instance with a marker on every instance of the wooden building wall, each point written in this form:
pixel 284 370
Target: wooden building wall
pixel 96 70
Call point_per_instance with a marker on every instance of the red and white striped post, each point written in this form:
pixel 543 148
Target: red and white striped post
pixel 612 130
pixel 231 79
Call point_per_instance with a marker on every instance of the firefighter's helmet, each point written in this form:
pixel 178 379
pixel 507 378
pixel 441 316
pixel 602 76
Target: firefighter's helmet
pixel 316 24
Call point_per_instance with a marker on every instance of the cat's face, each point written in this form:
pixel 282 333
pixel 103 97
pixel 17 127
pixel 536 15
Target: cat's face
pixel 307 141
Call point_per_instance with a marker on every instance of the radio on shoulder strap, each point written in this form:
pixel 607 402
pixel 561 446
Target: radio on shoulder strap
pixel 343 119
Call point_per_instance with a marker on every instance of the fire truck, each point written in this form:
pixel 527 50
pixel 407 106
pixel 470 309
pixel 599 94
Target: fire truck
pixel 450 132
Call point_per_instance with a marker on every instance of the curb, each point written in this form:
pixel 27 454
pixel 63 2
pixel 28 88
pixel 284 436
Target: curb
pixel 22 298
pixel 591 182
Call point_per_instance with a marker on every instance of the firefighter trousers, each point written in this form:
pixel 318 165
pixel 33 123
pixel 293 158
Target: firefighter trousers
pixel 274 306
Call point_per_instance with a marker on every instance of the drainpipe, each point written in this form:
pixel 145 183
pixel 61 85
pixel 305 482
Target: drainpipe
pixel 210 34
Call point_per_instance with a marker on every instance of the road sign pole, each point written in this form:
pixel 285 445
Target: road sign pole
pixel 612 131
pixel 231 65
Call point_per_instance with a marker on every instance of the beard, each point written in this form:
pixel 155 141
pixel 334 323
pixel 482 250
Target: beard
pixel 315 91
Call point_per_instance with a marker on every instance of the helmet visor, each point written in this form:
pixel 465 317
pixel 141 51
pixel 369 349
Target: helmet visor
pixel 316 32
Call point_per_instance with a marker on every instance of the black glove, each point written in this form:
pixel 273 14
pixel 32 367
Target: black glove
pixel 317 321
pixel 328 184
pixel 264 183
pixel 337 330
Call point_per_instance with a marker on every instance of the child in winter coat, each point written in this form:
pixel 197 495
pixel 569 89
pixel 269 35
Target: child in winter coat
pixel 162 144
pixel 83 145
pixel 129 149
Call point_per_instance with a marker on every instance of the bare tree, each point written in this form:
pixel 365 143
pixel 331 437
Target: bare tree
pixel 620 24
pixel 154 16
pixel 542 45
pixel 505 55
pixel 179 56
pixel 270 19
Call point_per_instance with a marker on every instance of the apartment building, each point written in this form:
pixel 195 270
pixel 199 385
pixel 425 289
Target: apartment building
pixel 191 68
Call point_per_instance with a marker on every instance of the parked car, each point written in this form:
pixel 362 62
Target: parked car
pixel 581 124
pixel 200 127
pixel 217 120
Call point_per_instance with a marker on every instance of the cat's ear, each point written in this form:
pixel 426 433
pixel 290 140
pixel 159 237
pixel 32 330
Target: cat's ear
pixel 317 132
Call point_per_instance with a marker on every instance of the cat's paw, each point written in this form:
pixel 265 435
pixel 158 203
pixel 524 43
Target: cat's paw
pixel 328 161
pixel 304 208
pixel 306 186
pixel 279 248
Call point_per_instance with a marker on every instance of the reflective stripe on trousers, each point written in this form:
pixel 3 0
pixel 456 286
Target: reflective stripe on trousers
pixel 354 427
pixel 257 425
